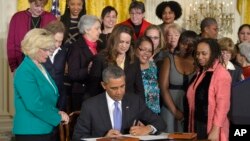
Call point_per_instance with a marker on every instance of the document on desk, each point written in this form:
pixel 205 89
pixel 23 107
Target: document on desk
pixel 143 138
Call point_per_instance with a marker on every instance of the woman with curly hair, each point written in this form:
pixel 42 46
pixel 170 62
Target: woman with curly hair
pixel 168 12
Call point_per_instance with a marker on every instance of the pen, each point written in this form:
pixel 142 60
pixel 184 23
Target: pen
pixel 135 122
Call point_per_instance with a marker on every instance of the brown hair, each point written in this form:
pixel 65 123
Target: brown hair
pixel 39 2
pixel 228 45
pixel 114 41
pixel 55 26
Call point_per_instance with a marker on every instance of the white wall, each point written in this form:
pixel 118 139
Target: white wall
pixel 151 17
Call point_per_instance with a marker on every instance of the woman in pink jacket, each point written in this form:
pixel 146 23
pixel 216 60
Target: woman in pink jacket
pixel 209 94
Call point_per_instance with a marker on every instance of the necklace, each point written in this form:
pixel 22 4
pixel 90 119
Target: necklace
pixel 35 22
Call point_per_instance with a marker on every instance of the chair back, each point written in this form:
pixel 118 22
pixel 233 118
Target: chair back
pixel 66 130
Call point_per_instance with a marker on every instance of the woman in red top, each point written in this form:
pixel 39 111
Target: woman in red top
pixel 21 22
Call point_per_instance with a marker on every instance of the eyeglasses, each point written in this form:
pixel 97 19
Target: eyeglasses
pixel 145 51
pixel 48 50
pixel 153 37
pixel 225 52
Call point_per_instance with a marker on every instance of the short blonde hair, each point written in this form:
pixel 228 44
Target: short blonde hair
pixel 227 44
pixel 174 26
pixel 37 39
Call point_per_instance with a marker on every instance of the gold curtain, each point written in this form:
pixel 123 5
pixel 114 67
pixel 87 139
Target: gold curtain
pixel 24 4
pixel 244 10
pixel 94 7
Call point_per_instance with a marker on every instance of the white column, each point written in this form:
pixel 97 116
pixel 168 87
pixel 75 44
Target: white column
pixel 7 9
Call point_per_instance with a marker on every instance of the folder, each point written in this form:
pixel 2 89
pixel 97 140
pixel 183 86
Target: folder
pixel 182 135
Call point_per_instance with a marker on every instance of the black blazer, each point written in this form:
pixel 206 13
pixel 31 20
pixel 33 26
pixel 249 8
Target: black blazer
pixel 79 59
pixel 56 71
pixel 132 71
pixel 94 119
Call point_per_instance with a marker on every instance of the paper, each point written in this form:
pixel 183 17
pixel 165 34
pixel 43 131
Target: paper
pixel 144 138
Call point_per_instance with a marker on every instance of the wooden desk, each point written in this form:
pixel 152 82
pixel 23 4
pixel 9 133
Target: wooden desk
pixel 161 137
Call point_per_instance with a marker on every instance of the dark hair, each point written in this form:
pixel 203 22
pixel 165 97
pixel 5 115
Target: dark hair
pixel 112 71
pixel 114 41
pixel 214 50
pixel 207 22
pixel 65 18
pixel 142 39
pixel 189 38
pixel 105 11
pixel 242 26
pixel 173 5
pixel 66 15
pixel 137 5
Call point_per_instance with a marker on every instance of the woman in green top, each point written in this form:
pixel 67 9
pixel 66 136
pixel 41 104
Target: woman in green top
pixel 35 91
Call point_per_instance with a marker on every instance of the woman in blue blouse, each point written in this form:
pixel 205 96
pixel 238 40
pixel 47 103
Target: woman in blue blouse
pixel 144 51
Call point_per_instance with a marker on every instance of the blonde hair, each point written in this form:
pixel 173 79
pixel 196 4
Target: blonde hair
pixel 227 44
pixel 37 39
pixel 175 27
pixel 161 35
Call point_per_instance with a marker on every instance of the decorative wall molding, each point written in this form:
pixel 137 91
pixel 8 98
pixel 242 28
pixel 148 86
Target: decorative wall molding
pixel 7 9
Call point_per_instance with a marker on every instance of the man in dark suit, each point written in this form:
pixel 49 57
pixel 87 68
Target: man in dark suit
pixel 97 118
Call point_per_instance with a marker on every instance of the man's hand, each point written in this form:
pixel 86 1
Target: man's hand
pixel 113 133
pixel 140 130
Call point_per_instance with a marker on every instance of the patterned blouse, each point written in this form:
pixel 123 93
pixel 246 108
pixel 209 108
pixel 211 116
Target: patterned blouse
pixel 151 87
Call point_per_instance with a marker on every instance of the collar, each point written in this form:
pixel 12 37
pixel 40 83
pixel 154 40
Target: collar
pixel 230 66
pixel 110 101
pixel 216 62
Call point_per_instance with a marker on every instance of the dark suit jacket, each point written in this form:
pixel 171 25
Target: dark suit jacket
pixel 132 71
pixel 78 61
pixel 94 119
pixel 56 71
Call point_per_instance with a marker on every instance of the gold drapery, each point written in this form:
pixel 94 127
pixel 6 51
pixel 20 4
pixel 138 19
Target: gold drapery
pixel 24 4
pixel 244 10
pixel 94 7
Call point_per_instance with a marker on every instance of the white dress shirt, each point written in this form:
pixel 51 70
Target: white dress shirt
pixel 52 57
pixel 111 107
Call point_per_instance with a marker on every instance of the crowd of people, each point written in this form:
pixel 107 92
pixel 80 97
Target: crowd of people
pixel 132 77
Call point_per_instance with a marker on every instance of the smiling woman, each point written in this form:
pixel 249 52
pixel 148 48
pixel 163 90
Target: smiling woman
pixel 209 93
